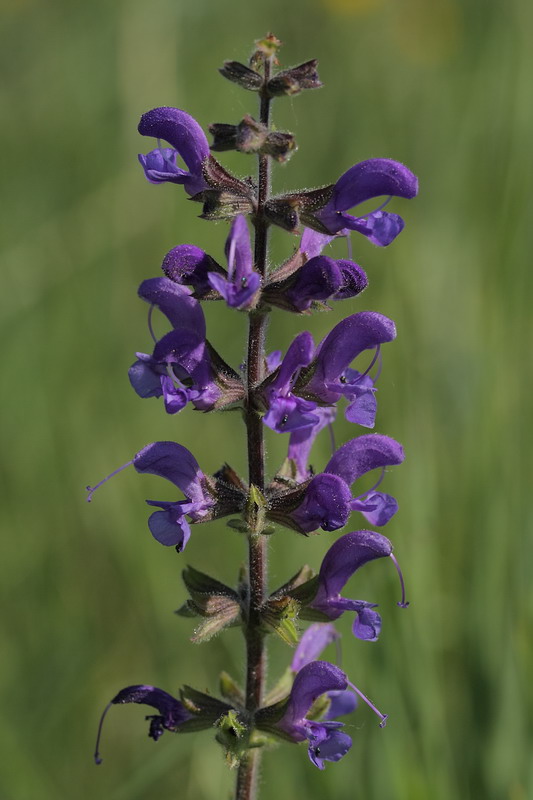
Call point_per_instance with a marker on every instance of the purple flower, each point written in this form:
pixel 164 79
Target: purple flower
pixel 187 139
pixel 171 715
pixel 242 282
pixel 328 500
pixel 326 741
pixel 180 367
pixel 286 412
pixel 343 558
pixel 364 181
pixel 176 464
pixel 309 278
pixel 322 278
pixel 291 393
pixel 329 379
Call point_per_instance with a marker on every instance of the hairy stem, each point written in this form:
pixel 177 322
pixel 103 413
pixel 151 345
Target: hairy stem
pixel 257 555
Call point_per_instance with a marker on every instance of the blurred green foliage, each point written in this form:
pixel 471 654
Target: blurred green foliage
pixel 87 595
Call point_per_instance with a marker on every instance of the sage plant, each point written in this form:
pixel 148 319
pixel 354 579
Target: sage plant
pixel 295 394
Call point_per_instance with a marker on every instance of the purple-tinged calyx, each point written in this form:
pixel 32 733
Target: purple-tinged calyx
pixel 242 282
pixel 376 177
pixel 187 139
pixel 172 713
pixel 328 500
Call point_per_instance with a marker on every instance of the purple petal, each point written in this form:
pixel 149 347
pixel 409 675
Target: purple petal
pixel 182 310
pixel 345 342
pixel 273 360
pixel 145 376
pixel 359 456
pixel 312 242
pixel 298 355
pixel 184 134
pixel 373 178
pixel 238 250
pixel 318 279
pixel 183 347
pixel 173 462
pixel 341 703
pixel 170 528
pixel 175 397
pixel 380 227
pixel 315 639
pixel 160 166
pixel 354 280
pixel 362 410
pixel 367 624
pixel 236 294
pixel 302 440
pixel 312 680
pixel 190 265
pixel 288 414
pixel 327 744
pixel 376 507
pixel 345 557
pixel 326 504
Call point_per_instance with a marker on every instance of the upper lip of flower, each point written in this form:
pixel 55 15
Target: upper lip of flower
pixel 187 138
pixel 375 177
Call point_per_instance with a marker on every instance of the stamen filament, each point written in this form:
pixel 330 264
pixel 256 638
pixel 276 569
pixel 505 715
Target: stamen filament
pixel 380 365
pixel 377 355
pixel 368 214
pixel 97 757
pixel 372 488
pixel 92 489
pixel 172 376
pixel 383 717
pixel 403 602
pixel 349 247
pixel 150 328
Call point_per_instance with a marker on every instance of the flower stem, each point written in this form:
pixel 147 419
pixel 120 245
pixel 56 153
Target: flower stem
pixel 246 788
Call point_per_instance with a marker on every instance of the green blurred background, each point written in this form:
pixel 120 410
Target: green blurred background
pixel 87 594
